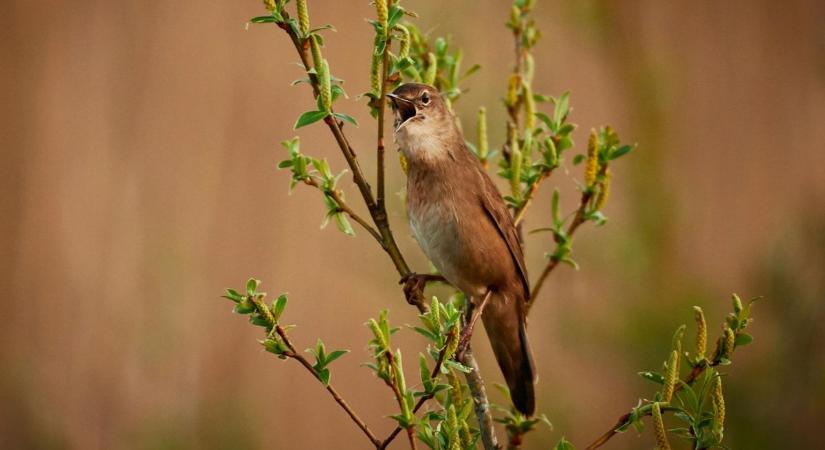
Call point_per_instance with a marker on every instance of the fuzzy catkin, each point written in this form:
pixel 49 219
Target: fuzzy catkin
pixel 303 16
pixel 659 428
pixel 483 146
pixel 701 332
pixel 325 85
pixel 604 191
pixel 591 165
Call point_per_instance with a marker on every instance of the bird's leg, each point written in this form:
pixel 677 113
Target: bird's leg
pixel 474 312
pixel 414 284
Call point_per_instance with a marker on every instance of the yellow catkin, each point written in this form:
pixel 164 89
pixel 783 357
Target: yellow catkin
pixel 379 335
pixel 659 428
pixel 269 5
pixel 591 165
pixel 303 16
pixel 315 46
pixel 402 160
pixel 701 332
pixel 730 342
pixel 604 191
pixel 452 341
pixel 512 90
pixel 483 146
pixel 718 407
pixel 515 169
pixel 404 41
pixel 375 74
pixel 325 85
pixel 672 376
pixel 432 69
pixel 383 14
pixel 452 422
pixel 529 108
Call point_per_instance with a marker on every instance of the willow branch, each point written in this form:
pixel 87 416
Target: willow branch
pixel 481 404
pixel 518 214
pixel 438 363
pixel 382 107
pixel 578 219
pixel 293 354
pixel 378 215
pixel 344 207
pixel 697 370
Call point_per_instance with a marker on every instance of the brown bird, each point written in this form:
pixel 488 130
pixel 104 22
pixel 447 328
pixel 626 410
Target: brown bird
pixel 463 226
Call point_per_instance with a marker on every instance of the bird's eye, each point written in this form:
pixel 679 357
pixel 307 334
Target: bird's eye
pixel 425 97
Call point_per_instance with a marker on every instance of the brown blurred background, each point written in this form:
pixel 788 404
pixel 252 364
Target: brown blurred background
pixel 139 143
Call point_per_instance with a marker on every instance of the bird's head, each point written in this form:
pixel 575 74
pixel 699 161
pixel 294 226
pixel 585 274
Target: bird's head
pixel 421 116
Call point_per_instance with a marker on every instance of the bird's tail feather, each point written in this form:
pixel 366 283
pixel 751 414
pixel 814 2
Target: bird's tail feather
pixel 504 321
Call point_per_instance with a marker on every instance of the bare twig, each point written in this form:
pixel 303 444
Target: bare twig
pixel 518 214
pixel 482 404
pixel 382 106
pixel 293 353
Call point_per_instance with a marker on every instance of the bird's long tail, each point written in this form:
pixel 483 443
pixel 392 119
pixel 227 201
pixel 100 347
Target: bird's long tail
pixel 504 321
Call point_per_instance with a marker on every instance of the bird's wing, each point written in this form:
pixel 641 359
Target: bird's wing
pixel 499 214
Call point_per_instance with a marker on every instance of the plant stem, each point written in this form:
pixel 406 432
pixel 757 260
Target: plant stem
pixel 378 214
pixel 264 311
pixel 482 405
pixel 342 205
pixel 692 376
pixel 436 371
pixel 382 103
pixel 518 214
pixel 578 219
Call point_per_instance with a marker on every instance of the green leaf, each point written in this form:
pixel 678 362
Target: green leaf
pixel 252 286
pixel 655 377
pixel 335 355
pixel 324 375
pixel 278 306
pixel 346 118
pixel 621 151
pixel 743 339
pixel 263 19
pixel 564 444
pixel 309 117
pixel 562 108
pixel 343 225
pixel 233 295
pixel 555 207
pixel 578 159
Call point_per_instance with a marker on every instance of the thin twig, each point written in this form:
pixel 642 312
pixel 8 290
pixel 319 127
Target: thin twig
pixel 692 376
pixel 382 103
pixel 578 219
pixel 293 353
pixel 482 405
pixel 518 214
pixel 379 216
pixel 344 207
pixel 436 370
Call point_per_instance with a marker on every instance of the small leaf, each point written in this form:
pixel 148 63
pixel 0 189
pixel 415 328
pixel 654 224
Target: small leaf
pixel 578 159
pixel 564 444
pixel 324 375
pixel 743 339
pixel 346 118
pixel 263 19
pixel 653 376
pixel 619 152
pixel 335 355
pixel 252 286
pixel 309 117
pixel 279 306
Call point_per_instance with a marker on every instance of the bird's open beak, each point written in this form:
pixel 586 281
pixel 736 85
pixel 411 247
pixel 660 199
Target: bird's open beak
pixel 404 109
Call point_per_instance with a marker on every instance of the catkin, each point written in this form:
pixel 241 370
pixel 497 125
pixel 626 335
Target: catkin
pixel 375 74
pixel 325 85
pixel 404 49
pixel 591 165
pixel 303 16
pixel 529 108
pixel 672 376
pixel 718 406
pixel 659 428
pixel 483 146
pixel 730 342
pixel 383 14
pixel 432 69
pixel 701 332
pixel 315 46
pixel 515 169
pixel 269 5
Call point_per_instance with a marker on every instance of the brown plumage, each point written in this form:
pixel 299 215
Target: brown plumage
pixel 463 226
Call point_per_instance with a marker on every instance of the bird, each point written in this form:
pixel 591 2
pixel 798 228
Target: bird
pixel 463 226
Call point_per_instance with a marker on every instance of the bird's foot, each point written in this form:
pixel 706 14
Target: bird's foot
pixel 414 284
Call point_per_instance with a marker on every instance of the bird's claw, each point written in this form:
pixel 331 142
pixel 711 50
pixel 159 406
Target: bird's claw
pixel 414 285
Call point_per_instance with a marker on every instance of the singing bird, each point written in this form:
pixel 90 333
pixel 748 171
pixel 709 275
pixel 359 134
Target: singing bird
pixel 465 229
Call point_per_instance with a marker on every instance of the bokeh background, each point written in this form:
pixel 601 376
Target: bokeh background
pixel 139 142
